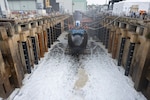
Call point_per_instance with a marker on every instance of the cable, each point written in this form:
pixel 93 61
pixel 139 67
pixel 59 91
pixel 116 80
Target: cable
pixel 60 27
pixel 103 26
pixel 97 21
pixel 87 25
pixel 93 22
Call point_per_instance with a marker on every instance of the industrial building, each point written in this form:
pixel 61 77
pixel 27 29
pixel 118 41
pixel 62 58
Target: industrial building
pixel 126 7
pixel 55 5
pixel 23 5
pixel 36 6
pixel 66 6
pixel 70 6
pixel 79 5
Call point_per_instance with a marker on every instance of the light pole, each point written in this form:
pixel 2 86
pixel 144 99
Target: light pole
pixel 72 7
pixel 106 2
pixel 61 7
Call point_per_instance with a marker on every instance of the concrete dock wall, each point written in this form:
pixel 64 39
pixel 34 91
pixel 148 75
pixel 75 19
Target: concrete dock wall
pixel 22 44
pixel 129 44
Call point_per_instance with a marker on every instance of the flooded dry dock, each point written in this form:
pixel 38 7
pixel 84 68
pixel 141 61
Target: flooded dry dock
pixel 24 42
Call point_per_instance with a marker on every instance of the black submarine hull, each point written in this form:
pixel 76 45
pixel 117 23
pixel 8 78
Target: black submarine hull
pixel 77 42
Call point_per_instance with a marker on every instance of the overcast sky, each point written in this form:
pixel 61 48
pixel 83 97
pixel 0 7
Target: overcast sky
pixel 96 1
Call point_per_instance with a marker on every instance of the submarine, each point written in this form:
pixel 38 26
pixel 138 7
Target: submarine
pixel 77 40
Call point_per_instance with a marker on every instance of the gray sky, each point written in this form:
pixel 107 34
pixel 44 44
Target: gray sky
pixel 97 1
